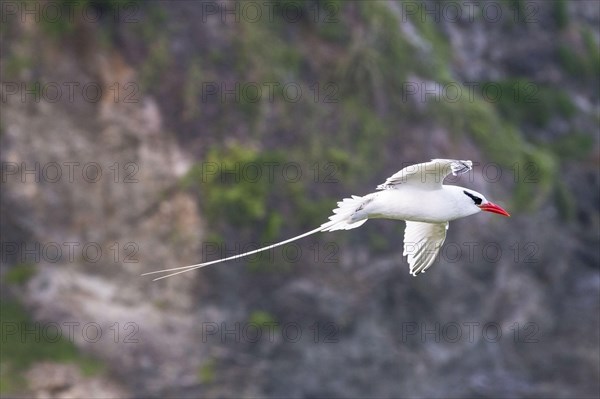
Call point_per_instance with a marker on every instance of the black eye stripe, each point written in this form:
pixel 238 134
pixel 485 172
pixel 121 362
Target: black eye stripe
pixel 475 199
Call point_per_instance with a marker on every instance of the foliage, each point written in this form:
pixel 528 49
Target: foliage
pixel 15 64
pixel 60 26
pixel 261 318
pixel 19 351
pixel 263 54
pixel 504 143
pixel 155 64
pixel 207 372
pixel 243 187
pixel 438 50
pixel 378 58
pixel 534 187
pixel 565 202
pixel 581 63
pixel 20 274
pixel 193 85
pixel 227 189
pixel 561 13
pixel 522 101
pixel 575 145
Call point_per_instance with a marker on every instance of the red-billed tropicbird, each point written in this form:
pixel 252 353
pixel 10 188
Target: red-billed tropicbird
pixel 414 194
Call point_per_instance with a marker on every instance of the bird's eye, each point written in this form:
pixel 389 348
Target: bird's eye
pixel 475 198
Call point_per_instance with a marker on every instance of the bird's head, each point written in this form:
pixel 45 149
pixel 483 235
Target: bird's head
pixel 473 198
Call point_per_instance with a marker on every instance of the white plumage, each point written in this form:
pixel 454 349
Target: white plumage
pixel 422 242
pixel 414 194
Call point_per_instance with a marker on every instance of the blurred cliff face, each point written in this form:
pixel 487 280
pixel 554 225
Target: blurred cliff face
pixel 143 135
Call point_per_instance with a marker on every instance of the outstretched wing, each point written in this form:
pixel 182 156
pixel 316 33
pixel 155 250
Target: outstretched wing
pixel 428 175
pixel 422 242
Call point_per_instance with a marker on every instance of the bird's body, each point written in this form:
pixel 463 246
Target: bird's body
pixel 416 195
pixel 432 206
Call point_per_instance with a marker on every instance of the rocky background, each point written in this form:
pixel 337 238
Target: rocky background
pixel 142 135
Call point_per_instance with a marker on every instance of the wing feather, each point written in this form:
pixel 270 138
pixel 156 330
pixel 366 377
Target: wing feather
pixel 422 243
pixel 428 174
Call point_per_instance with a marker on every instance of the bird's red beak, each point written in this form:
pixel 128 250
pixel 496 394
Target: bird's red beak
pixel 490 207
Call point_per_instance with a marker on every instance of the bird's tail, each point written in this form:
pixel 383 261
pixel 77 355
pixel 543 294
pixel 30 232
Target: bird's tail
pixel 346 216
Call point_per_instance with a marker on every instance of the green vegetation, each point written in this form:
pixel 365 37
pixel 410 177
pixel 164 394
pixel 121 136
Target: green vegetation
pixel 516 6
pixel 154 16
pixel 503 142
pixel 261 318
pixel 15 64
pixel 527 102
pixel 561 13
pixel 379 242
pixel 536 178
pixel 194 79
pixel 61 26
pixel 20 274
pixel 437 63
pixel 20 350
pixel 581 63
pixel 377 60
pixel 66 19
pixel 564 201
pixel 263 55
pixel 207 372
pixel 155 64
pixel 367 58
pixel 243 190
pixel 231 184
pixel 370 72
pixel 242 187
pixel 575 145
pixel 592 48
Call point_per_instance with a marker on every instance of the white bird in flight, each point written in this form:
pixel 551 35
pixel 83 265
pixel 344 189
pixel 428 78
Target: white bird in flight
pixel 416 195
